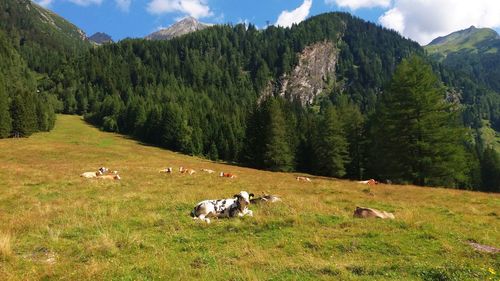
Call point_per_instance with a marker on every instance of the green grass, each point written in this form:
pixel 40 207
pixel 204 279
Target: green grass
pixel 55 225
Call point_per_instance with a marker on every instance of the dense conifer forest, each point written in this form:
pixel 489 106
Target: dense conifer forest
pixel 200 95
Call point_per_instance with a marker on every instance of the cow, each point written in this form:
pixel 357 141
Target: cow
pixel 91 175
pixel 103 170
pixel 303 179
pixel 109 177
pixel 186 171
pixel 369 182
pixel 208 171
pixel 365 213
pixel 223 208
pixel 227 175
pixel 168 170
pixel 265 198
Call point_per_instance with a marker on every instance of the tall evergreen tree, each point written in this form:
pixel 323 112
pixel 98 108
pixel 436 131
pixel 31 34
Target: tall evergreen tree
pixel 331 145
pixel 277 155
pixel 490 170
pixel 23 115
pixel 417 136
pixel 5 120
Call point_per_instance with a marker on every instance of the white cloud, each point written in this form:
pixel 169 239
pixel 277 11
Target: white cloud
pixel 358 4
pixel 424 20
pixel 286 18
pixel 44 3
pixel 86 2
pixel 123 5
pixel 194 8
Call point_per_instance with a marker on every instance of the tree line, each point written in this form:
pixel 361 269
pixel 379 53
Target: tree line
pixel 199 94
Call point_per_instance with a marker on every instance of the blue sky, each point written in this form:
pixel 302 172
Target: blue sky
pixel 421 20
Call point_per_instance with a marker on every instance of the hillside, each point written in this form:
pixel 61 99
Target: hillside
pixel 56 225
pixel 473 54
pixel 472 40
pixel 44 38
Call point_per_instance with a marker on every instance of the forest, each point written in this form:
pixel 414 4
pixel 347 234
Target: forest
pixel 199 94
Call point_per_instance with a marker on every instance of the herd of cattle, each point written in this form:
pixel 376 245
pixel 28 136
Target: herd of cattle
pixel 237 206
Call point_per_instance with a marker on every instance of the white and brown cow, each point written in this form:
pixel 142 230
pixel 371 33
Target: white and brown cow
pixel 91 175
pixel 227 175
pixel 223 208
pixel 168 170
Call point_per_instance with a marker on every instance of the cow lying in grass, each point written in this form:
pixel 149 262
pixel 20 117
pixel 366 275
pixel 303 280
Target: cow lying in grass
pixel 110 177
pixel 208 171
pixel 227 175
pixel 223 208
pixel 168 170
pixel 303 179
pixel 369 182
pixel 183 170
pixel 91 175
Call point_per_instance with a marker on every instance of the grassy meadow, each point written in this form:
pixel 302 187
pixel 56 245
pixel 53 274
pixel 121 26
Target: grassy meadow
pixel 55 225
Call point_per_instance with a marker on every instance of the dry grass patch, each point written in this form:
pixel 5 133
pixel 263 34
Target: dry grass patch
pixel 5 246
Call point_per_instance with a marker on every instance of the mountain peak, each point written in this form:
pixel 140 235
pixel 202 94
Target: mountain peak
pixel 100 38
pixel 466 36
pixel 186 25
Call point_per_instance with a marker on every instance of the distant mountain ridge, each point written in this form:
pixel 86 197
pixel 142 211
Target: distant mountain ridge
pixel 40 33
pixel 100 38
pixel 183 27
pixel 478 40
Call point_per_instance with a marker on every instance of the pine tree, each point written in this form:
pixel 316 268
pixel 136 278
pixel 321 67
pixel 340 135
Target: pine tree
pixel 277 155
pixel 490 170
pixel 417 136
pixel 331 145
pixel 5 120
pixel 354 128
pixel 23 115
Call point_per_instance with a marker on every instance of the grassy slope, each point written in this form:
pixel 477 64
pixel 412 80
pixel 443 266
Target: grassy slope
pixel 458 41
pixel 56 225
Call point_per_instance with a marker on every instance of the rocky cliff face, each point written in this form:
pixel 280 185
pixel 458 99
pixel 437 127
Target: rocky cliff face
pixel 313 74
pixel 180 28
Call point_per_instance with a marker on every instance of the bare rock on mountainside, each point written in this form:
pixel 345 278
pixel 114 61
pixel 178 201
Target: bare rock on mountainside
pixel 183 27
pixel 100 38
pixel 314 73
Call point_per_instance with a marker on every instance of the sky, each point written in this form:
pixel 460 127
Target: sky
pixel 420 20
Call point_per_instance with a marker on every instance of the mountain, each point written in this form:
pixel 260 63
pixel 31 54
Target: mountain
pixel 474 56
pixel 183 27
pixel 44 38
pixel 471 40
pixel 100 38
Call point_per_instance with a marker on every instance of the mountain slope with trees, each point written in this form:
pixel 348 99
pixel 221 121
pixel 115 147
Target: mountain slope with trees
pixel 217 92
pixel 201 94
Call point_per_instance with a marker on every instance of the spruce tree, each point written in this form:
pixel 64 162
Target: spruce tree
pixel 277 155
pixel 490 170
pixel 23 115
pixel 331 145
pixel 417 135
pixel 5 120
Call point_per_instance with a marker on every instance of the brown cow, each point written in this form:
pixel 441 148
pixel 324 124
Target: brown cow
pixel 227 175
